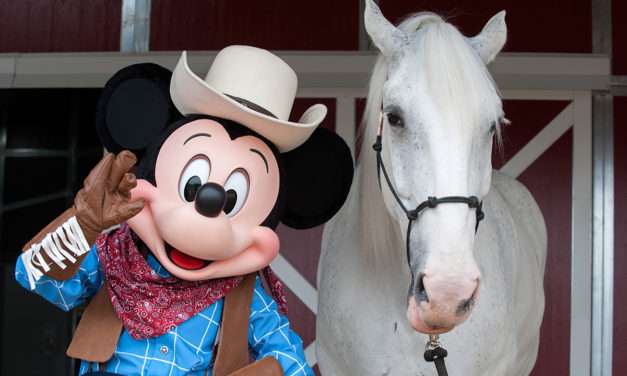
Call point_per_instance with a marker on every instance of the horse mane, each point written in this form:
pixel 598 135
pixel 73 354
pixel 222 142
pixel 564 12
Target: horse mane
pixel 453 74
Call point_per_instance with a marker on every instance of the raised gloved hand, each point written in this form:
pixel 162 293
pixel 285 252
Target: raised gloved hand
pixel 104 201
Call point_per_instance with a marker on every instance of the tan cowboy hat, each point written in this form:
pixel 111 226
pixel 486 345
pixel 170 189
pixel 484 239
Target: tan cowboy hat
pixel 251 86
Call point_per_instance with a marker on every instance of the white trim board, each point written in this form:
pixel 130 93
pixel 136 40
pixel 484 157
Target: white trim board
pixel 316 69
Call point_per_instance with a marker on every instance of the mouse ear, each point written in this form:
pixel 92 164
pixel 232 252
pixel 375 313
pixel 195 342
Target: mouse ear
pixel 319 176
pixel 134 107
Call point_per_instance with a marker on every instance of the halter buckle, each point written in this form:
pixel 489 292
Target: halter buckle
pixel 433 350
pixel 378 144
pixel 432 202
pixel 473 202
pixel 433 342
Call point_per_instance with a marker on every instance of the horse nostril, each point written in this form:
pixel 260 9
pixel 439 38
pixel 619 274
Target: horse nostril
pixel 421 292
pixel 210 199
pixel 467 304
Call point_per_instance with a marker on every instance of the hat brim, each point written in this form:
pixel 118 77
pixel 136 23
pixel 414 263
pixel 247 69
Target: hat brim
pixel 192 95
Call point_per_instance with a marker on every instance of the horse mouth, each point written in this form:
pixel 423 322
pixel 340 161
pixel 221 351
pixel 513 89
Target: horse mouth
pixel 435 329
pixel 183 260
pixel 424 322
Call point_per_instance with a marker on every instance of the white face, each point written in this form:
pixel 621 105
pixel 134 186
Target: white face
pixel 441 111
pixel 435 149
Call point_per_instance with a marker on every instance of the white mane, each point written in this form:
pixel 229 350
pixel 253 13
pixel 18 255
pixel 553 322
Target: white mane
pixel 454 77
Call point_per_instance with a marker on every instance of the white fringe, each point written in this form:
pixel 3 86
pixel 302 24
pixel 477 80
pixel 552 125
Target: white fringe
pixel 68 237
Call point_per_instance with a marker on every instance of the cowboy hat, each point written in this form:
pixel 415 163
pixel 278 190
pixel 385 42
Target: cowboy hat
pixel 251 86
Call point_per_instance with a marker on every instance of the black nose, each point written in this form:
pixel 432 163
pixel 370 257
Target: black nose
pixel 210 199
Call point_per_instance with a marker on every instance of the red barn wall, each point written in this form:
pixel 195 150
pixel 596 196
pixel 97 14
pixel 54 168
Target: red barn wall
pixel 619 37
pixel 59 25
pixel 619 67
pixel 533 25
pixel 620 240
pixel 75 25
pixel 270 24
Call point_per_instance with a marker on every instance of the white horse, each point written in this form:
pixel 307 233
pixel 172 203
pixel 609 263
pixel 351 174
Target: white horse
pixel 441 112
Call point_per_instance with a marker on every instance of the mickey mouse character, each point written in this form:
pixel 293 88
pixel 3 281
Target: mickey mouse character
pixel 174 289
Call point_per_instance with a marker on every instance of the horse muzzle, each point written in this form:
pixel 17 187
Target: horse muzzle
pixel 438 303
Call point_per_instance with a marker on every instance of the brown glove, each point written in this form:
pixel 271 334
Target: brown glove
pixel 102 203
pixel 104 200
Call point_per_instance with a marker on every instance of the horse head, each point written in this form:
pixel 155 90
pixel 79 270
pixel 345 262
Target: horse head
pixel 440 113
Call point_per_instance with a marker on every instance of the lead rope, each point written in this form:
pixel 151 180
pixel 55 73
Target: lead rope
pixel 434 352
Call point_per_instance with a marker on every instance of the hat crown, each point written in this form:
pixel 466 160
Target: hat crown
pixel 257 76
pixel 250 86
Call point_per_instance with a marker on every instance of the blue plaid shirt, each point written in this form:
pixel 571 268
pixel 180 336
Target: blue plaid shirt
pixel 186 349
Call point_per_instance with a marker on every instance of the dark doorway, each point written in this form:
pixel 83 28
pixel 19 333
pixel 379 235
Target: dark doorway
pixel 48 144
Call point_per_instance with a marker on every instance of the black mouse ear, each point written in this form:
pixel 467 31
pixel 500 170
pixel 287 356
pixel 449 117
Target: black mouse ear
pixel 319 175
pixel 134 107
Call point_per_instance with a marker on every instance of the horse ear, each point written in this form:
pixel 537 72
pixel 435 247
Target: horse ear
pixel 489 42
pixel 319 175
pixel 387 37
pixel 134 107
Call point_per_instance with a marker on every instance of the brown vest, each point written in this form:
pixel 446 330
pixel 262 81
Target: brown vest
pixel 97 334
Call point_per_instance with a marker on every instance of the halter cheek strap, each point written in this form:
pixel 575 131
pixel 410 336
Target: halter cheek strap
pixel 430 203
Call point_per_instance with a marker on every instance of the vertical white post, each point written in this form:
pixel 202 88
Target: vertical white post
pixel 135 33
pixel 581 238
pixel 603 205
pixel 603 236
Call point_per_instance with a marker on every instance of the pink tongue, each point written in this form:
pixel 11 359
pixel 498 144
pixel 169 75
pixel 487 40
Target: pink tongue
pixel 186 261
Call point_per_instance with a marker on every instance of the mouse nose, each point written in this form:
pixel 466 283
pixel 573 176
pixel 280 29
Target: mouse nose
pixel 210 199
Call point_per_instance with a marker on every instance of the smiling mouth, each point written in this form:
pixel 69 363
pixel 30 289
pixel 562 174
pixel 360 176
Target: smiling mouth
pixel 185 261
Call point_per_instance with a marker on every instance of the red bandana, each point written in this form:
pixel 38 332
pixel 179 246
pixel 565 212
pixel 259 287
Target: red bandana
pixel 150 305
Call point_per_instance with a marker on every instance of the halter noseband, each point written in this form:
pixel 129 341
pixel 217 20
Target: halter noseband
pixel 430 203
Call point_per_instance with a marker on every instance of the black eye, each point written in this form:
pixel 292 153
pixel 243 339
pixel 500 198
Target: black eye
pixel 395 120
pixel 493 128
pixel 195 174
pixel 236 187
pixel 231 200
pixel 191 187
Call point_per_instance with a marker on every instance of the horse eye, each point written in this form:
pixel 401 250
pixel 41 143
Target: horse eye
pixel 395 120
pixel 493 127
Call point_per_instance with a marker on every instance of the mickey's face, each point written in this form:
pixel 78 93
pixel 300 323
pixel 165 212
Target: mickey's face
pixel 211 195
pixel 214 190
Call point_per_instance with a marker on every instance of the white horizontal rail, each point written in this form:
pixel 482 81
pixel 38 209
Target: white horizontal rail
pixel 315 69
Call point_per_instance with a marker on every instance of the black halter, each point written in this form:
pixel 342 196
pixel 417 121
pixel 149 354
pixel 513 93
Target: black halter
pixel 431 201
pixel 433 352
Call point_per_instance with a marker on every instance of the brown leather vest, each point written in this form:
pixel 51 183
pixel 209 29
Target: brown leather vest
pixel 97 334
